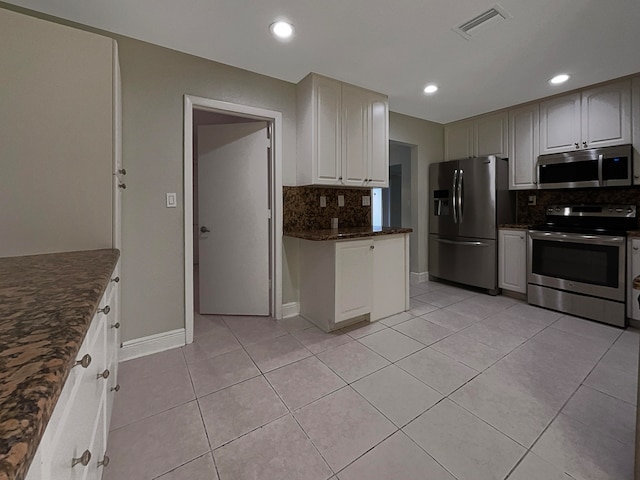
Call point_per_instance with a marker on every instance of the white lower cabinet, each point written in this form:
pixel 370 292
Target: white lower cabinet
pixel 512 260
pixel 73 446
pixel 633 310
pixel 342 282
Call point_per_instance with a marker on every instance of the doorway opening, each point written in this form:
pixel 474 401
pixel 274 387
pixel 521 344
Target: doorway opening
pixel 233 204
pixel 391 207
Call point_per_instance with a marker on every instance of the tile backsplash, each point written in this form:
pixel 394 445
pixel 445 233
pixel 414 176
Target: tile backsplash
pixel 302 210
pixel 535 214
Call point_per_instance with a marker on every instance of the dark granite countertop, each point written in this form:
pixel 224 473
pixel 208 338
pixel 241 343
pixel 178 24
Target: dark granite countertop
pixel 346 233
pixel 514 226
pixel 46 305
pixel 633 233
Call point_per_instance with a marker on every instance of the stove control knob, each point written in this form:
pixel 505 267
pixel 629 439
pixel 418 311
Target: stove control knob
pixel 557 209
pixel 629 210
pixel 618 210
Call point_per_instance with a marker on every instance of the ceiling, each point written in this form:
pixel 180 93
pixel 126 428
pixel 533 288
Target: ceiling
pixel 394 47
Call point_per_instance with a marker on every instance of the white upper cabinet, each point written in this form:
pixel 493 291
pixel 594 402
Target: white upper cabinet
pixel 486 135
pixel 523 146
pixel 343 134
pixel 560 124
pixel 606 115
pixel 490 134
pixel 458 140
pixel 596 117
pixel 378 112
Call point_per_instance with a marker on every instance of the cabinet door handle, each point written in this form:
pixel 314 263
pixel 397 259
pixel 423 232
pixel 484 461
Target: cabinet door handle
pixel 577 145
pixel 84 362
pixel 635 248
pixel 372 247
pixel 584 144
pixel 340 178
pixel 115 279
pixel 116 388
pixel 104 374
pixel 105 310
pixel 116 325
pixel 105 462
pixel 123 186
pixel 83 459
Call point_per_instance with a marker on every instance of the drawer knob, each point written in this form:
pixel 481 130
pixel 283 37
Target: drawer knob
pixel 84 362
pixel 122 171
pixel 105 462
pixel 104 374
pixel 83 460
pixel 635 248
pixel 123 186
pixel 116 388
pixel 584 144
pixel 577 145
pixel 105 310
pixel 116 279
pixel 372 247
pixel 116 325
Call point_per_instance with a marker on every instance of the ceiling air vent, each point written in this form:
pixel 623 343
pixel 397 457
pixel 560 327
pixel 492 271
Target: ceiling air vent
pixel 491 17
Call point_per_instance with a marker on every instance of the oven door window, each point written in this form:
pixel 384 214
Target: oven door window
pixel 578 262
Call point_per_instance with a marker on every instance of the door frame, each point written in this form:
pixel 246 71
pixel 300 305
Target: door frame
pixel 192 102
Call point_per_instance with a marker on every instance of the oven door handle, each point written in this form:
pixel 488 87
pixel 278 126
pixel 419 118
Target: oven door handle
pixel 572 237
pixel 468 244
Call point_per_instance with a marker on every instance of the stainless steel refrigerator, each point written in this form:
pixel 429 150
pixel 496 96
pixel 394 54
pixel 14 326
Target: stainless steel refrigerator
pixel 468 199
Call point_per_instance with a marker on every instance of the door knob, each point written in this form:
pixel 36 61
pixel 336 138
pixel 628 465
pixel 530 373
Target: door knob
pixel 204 229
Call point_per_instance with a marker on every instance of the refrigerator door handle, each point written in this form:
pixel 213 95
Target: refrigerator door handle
pixel 467 243
pixel 460 196
pixel 454 196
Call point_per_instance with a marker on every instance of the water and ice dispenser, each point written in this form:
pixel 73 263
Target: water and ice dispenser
pixel 441 203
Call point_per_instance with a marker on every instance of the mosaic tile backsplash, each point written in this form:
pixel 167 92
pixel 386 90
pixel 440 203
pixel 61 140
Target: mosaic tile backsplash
pixel 302 209
pixel 534 214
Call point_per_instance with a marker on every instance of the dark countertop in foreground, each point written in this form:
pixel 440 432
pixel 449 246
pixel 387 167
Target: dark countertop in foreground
pixel 346 233
pixel 46 305
pixel 633 233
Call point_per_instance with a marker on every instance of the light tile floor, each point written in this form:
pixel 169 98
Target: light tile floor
pixel 463 386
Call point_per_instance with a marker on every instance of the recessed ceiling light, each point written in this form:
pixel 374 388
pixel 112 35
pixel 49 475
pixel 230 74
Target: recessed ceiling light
pixel 431 88
pixel 558 79
pixel 282 30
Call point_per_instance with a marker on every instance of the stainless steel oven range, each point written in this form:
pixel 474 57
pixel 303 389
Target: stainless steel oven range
pixel 576 261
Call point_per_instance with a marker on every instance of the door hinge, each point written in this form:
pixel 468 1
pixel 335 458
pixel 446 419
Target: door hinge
pixel 269 213
pixel 269 130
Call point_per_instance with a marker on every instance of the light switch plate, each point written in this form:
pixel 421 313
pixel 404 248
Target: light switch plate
pixel 532 199
pixel 323 201
pixel 172 201
pixel 341 200
pixel 366 201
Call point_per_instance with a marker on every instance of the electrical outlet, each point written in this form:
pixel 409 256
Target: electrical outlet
pixel 334 223
pixel 532 199
pixel 172 201
pixel 341 200
pixel 323 201
pixel 366 201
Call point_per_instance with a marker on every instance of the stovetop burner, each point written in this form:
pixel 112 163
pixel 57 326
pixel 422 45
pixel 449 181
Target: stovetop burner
pixel 590 219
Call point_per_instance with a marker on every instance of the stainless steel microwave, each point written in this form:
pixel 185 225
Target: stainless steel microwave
pixel 596 167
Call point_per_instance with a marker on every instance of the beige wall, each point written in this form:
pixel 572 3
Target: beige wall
pixel 55 137
pixel 154 80
pixel 428 137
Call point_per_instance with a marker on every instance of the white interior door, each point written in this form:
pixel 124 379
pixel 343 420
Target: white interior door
pixel 233 193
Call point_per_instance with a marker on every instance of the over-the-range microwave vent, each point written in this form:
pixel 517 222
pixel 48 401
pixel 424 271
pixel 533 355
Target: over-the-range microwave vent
pixel 486 19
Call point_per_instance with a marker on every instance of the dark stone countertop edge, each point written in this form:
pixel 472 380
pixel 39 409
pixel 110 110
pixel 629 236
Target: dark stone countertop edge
pixel 633 233
pixel 47 303
pixel 514 226
pixel 347 233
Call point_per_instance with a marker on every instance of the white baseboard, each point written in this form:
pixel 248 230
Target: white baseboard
pixel 140 347
pixel 290 309
pixel 419 277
